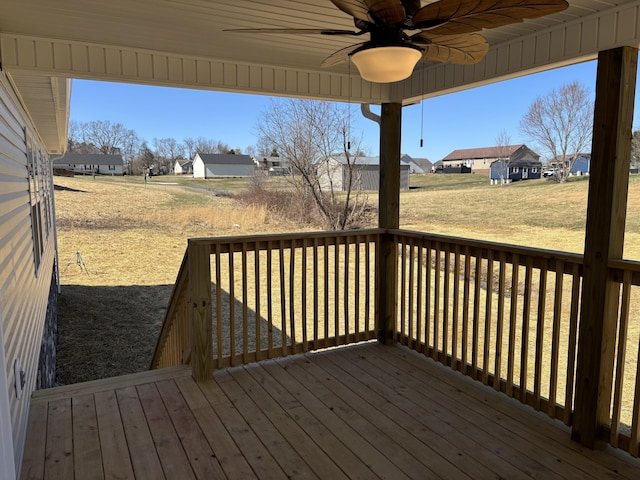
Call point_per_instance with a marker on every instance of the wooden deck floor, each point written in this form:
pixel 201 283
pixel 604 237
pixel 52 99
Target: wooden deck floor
pixel 364 411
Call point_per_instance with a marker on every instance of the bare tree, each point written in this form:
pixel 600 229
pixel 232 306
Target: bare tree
pixel 503 140
pixel 309 134
pixel 204 145
pixel 561 124
pixel 108 137
pixel 167 151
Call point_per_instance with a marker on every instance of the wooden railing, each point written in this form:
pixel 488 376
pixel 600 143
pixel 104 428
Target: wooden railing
pixel 173 346
pixel 624 430
pixel 275 295
pixel 504 315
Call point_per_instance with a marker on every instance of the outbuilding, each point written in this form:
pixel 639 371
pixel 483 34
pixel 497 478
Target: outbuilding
pixel 366 173
pixel 211 165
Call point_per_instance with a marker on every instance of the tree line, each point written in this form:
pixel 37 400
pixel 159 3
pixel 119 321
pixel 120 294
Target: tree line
pixel 139 155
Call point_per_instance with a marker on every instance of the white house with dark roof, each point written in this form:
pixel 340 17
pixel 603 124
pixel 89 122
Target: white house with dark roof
pixel 479 160
pixel 211 165
pixel 183 167
pixel 335 170
pixel 90 163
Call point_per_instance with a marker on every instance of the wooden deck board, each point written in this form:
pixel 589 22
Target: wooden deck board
pixel 364 411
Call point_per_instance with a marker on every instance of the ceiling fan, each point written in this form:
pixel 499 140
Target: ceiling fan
pixel 401 32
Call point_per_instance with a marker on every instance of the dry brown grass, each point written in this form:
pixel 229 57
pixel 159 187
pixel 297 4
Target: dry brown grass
pixel 132 239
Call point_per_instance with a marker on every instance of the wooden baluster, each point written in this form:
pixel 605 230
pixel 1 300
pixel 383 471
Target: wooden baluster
pixel 526 315
pixel 465 309
pixel 487 319
pixel 573 340
pixel 621 358
pixel 555 342
pixel 542 297
pixel 513 316
pixel 456 308
pixel 500 322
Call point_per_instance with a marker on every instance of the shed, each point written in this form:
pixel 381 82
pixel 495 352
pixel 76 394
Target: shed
pixel 210 165
pixel 334 171
pixel 90 163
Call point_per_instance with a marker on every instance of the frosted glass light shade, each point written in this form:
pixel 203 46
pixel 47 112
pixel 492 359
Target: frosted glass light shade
pixel 386 64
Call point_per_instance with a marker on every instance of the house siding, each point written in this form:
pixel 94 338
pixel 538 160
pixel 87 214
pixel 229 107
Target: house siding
pixel 223 170
pixel 365 177
pixel 27 253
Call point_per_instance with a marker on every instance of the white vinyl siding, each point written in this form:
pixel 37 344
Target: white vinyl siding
pixel 25 266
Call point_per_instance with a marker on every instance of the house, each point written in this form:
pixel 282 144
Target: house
pixel 29 269
pixel 273 165
pixel 503 171
pixel 212 165
pixel 42 47
pixel 334 172
pixel 580 165
pixel 417 165
pixel 90 163
pixel 183 167
pixel 479 160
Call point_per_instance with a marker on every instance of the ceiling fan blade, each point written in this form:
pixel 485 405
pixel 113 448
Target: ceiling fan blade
pixel 411 7
pixel 341 56
pixel 387 11
pixel 456 49
pixel 358 9
pixel 297 31
pixel 450 17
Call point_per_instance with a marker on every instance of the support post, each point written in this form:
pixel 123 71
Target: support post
pixel 200 311
pixel 389 218
pixel 604 239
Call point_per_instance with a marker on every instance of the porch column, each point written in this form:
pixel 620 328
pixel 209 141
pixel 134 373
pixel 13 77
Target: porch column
pixel 606 215
pixel 389 217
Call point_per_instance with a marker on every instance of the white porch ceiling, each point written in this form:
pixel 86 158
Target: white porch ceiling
pixel 182 43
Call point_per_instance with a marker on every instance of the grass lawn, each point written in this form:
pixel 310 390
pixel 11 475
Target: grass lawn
pixel 132 237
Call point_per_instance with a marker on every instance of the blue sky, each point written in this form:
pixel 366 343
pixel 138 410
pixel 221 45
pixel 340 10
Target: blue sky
pixel 468 119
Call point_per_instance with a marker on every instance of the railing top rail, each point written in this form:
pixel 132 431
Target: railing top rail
pixel 618 267
pixel 567 257
pixel 275 237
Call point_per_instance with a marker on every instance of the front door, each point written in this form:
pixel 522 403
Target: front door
pixel 525 173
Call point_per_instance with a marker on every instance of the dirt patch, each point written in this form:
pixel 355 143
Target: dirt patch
pixel 105 330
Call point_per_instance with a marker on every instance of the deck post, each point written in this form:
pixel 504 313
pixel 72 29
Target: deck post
pixel 389 218
pixel 200 311
pixel 604 239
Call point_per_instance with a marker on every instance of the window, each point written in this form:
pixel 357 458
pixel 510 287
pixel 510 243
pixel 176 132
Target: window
pixel 514 170
pixel 112 167
pixel 40 198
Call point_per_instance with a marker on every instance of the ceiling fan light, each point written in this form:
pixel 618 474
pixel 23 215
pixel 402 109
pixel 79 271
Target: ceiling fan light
pixel 386 64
